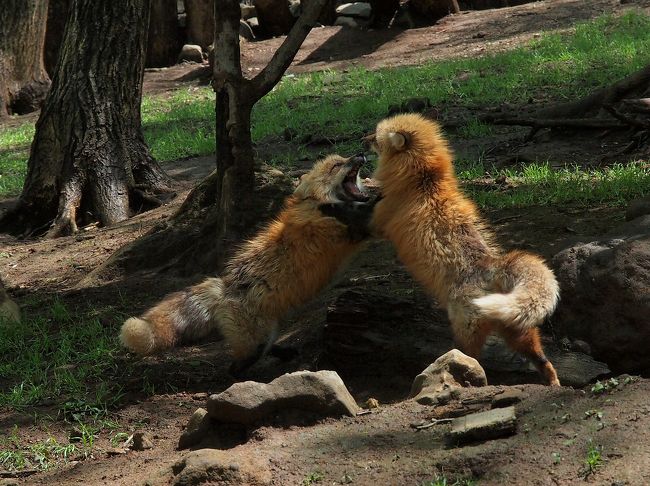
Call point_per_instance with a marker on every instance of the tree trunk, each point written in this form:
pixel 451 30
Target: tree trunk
pixel 57 15
pixel 164 40
pixel 200 21
pixel 230 203
pixel 88 151
pixel 23 80
pixel 274 16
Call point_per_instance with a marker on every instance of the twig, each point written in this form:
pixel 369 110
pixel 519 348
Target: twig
pixel 433 423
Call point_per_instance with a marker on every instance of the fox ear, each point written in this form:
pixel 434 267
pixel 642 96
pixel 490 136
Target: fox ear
pixel 397 140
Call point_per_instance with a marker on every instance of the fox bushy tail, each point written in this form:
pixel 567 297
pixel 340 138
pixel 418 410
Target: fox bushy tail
pixel 182 316
pixel 533 296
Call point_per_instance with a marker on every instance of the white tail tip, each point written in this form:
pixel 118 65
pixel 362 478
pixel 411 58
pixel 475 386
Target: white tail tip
pixel 137 336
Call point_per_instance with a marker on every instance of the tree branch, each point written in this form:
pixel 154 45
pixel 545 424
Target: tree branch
pixel 271 74
pixel 227 62
pixel 604 96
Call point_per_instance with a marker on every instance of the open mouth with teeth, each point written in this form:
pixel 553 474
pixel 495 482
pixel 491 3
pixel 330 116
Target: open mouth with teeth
pixel 350 184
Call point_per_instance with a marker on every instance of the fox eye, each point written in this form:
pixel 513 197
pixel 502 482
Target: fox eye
pixel 336 166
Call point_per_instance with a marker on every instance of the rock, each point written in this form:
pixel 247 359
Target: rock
pixel 322 393
pixel 372 403
pixel 451 370
pixel 637 208
pixel 247 11
pixel 142 441
pixel 213 466
pixel 295 8
pixel 196 429
pixel 356 9
pixel 499 422
pixel 605 295
pixel 508 397
pixel 346 22
pixel 254 23
pixel 191 53
pixel 246 31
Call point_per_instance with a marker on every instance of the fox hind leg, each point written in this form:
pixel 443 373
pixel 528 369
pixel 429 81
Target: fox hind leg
pixel 528 343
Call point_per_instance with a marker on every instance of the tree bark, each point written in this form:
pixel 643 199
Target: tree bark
pixel 57 15
pixel 164 41
pixel 88 157
pixel 200 21
pixel 23 80
pixel 228 205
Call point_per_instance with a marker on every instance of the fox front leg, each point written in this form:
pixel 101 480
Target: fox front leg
pixel 355 215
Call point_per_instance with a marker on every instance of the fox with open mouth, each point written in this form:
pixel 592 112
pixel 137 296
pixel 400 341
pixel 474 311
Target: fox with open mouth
pixel 285 265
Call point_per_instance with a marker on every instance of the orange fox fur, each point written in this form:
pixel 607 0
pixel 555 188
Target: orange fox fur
pixel 282 267
pixel 445 244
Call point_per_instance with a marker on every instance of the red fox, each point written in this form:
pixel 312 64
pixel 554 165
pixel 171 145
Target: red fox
pixel 448 248
pixel 282 267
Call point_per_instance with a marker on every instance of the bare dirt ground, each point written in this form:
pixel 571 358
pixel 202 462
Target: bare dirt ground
pixel 554 425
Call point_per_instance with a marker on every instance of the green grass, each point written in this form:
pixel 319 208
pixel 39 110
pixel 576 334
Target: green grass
pixel 59 355
pixel 594 459
pixel 16 455
pixel 444 481
pixel 346 105
pixel 539 184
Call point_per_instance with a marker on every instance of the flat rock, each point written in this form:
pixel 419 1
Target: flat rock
pixel 320 393
pixel 355 9
pixel 213 466
pixel 451 370
pixel 508 397
pixel 481 426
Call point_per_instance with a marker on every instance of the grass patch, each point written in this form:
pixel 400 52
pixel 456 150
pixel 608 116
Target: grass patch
pixel 14 456
pixel 59 355
pixel 344 106
pixel 594 459
pixel 444 481
pixel 540 184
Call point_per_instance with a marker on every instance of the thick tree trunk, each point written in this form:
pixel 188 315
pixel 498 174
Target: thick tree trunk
pixel 57 15
pixel 164 40
pixel 88 152
pixel 200 21
pixel 23 80
pixel 274 16
pixel 229 204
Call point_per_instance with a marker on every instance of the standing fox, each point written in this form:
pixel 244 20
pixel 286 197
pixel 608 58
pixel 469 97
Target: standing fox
pixel 445 244
pixel 282 267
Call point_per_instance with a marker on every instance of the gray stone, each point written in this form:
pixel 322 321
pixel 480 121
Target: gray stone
pixel 213 466
pixel 508 397
pixel 196 429
pixel 295 8
pixel 356 9
pixel 605 290
pixel 142 441
pixel 499 422
pixel 191 53
pixel 346 22
pixel 303 393
pixel 247 11
pixel 246 31
pixel 451 370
